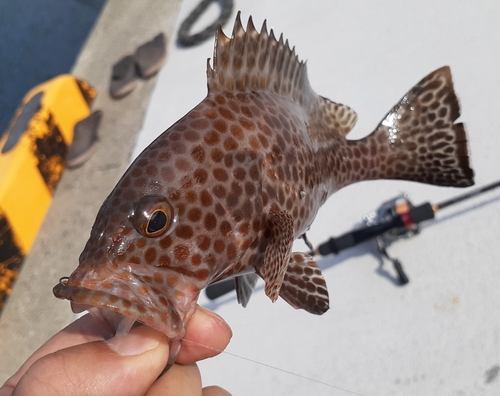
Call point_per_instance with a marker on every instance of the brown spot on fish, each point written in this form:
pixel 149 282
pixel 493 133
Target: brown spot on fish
pixel 172 280
pixel 150 255
pixel 230 144
pixel 212 138
pixel 205 198
pixel 247 125
pixel 220 99
pixel 196 260
pixel 219 246
pixel 199 124
pixel 202 274
pixel 226 113
pixel 217 155
pixel 200 175
pixel 210 221
pixel 219 210
pixel 231 251
pixel 184 231
pixel 164 261
pixel 181 252
pixel 198 154
pixel 232 200
pixel 166 242
pixel 220 126
pixel 194 215
pixel 239 173
pixel 192 135
pixel 182 164
pixel 134 260
pixel 219 191
pixel 220 174
pixel 249 189
pixel 237 132
pixel 204 242
pixel 210 114
pixel 225 228
pixel 157 277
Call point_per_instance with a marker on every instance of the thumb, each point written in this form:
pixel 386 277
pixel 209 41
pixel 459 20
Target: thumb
pixel 123 365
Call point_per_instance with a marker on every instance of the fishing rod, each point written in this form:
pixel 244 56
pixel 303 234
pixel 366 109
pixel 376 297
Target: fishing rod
pixel 395 215
pixel 395 219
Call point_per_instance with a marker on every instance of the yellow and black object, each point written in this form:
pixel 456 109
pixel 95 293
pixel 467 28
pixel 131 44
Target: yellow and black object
pixel 33 155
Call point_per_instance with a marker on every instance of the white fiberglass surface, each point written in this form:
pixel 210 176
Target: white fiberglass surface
pixel 439 334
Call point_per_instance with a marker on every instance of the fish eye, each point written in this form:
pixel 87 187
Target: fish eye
pixel 153 216
pixel 157 221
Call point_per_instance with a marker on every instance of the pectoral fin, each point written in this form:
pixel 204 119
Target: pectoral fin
pixel 280 228
pixel 304 286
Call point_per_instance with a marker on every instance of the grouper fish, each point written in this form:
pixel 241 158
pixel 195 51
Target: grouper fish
pixel 225 191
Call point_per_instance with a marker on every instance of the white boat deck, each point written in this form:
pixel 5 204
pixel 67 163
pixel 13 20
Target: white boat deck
pixel 438 335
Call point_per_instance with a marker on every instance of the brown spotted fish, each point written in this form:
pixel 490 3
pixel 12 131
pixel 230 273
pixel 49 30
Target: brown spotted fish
pixel 225 191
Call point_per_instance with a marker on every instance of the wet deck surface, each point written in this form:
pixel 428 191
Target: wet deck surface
pixel 440 334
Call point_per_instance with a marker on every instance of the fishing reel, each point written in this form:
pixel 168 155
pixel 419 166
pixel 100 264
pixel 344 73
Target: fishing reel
pixel 395 219
pixel 399 206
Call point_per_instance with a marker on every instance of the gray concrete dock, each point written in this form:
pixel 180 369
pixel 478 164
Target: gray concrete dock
pixel 32 314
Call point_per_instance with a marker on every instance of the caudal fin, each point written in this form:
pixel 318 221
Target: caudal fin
pixel 418 139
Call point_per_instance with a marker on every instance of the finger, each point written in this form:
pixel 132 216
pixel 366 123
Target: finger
pixel 207 334
pixel 178 380
pixel 125 365
pixel 214 391
pixel 83 330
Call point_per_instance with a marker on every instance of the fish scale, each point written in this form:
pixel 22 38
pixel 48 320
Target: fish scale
pixel 225 191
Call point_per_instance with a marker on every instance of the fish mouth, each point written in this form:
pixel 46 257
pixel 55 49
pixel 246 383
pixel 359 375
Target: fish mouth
pixel 120 296
pixel 113 322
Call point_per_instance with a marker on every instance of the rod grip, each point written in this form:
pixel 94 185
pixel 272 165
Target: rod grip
pixel 353 238
pixel 422 213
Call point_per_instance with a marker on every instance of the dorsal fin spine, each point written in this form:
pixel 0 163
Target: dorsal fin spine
pixel 263 55
pixel 250 56
pixel 238 26
pixel 253 61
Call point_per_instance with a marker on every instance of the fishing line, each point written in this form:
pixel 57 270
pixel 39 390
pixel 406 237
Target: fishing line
pixel 273 367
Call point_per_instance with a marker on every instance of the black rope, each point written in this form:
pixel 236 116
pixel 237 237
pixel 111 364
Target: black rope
pixel 187 40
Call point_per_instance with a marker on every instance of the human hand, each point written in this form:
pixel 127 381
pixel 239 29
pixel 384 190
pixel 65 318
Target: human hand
pixel 78 361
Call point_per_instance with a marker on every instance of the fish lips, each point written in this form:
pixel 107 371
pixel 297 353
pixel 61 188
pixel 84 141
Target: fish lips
pixel 127 290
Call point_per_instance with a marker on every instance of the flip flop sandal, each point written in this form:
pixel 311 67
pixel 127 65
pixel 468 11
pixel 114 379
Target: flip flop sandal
pixel 84 140
pixel 150 57
pixel 123 77
pixel 187 40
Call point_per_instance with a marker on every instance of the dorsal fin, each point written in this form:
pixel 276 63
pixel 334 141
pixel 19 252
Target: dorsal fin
pixel 253 61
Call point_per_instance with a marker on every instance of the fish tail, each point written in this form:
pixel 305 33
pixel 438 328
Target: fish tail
pixel 418 139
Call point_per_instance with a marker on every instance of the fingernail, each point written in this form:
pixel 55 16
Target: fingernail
pixel 136 342
pixel 214 315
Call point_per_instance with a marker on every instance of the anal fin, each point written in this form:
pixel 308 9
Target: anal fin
pixel 304 286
